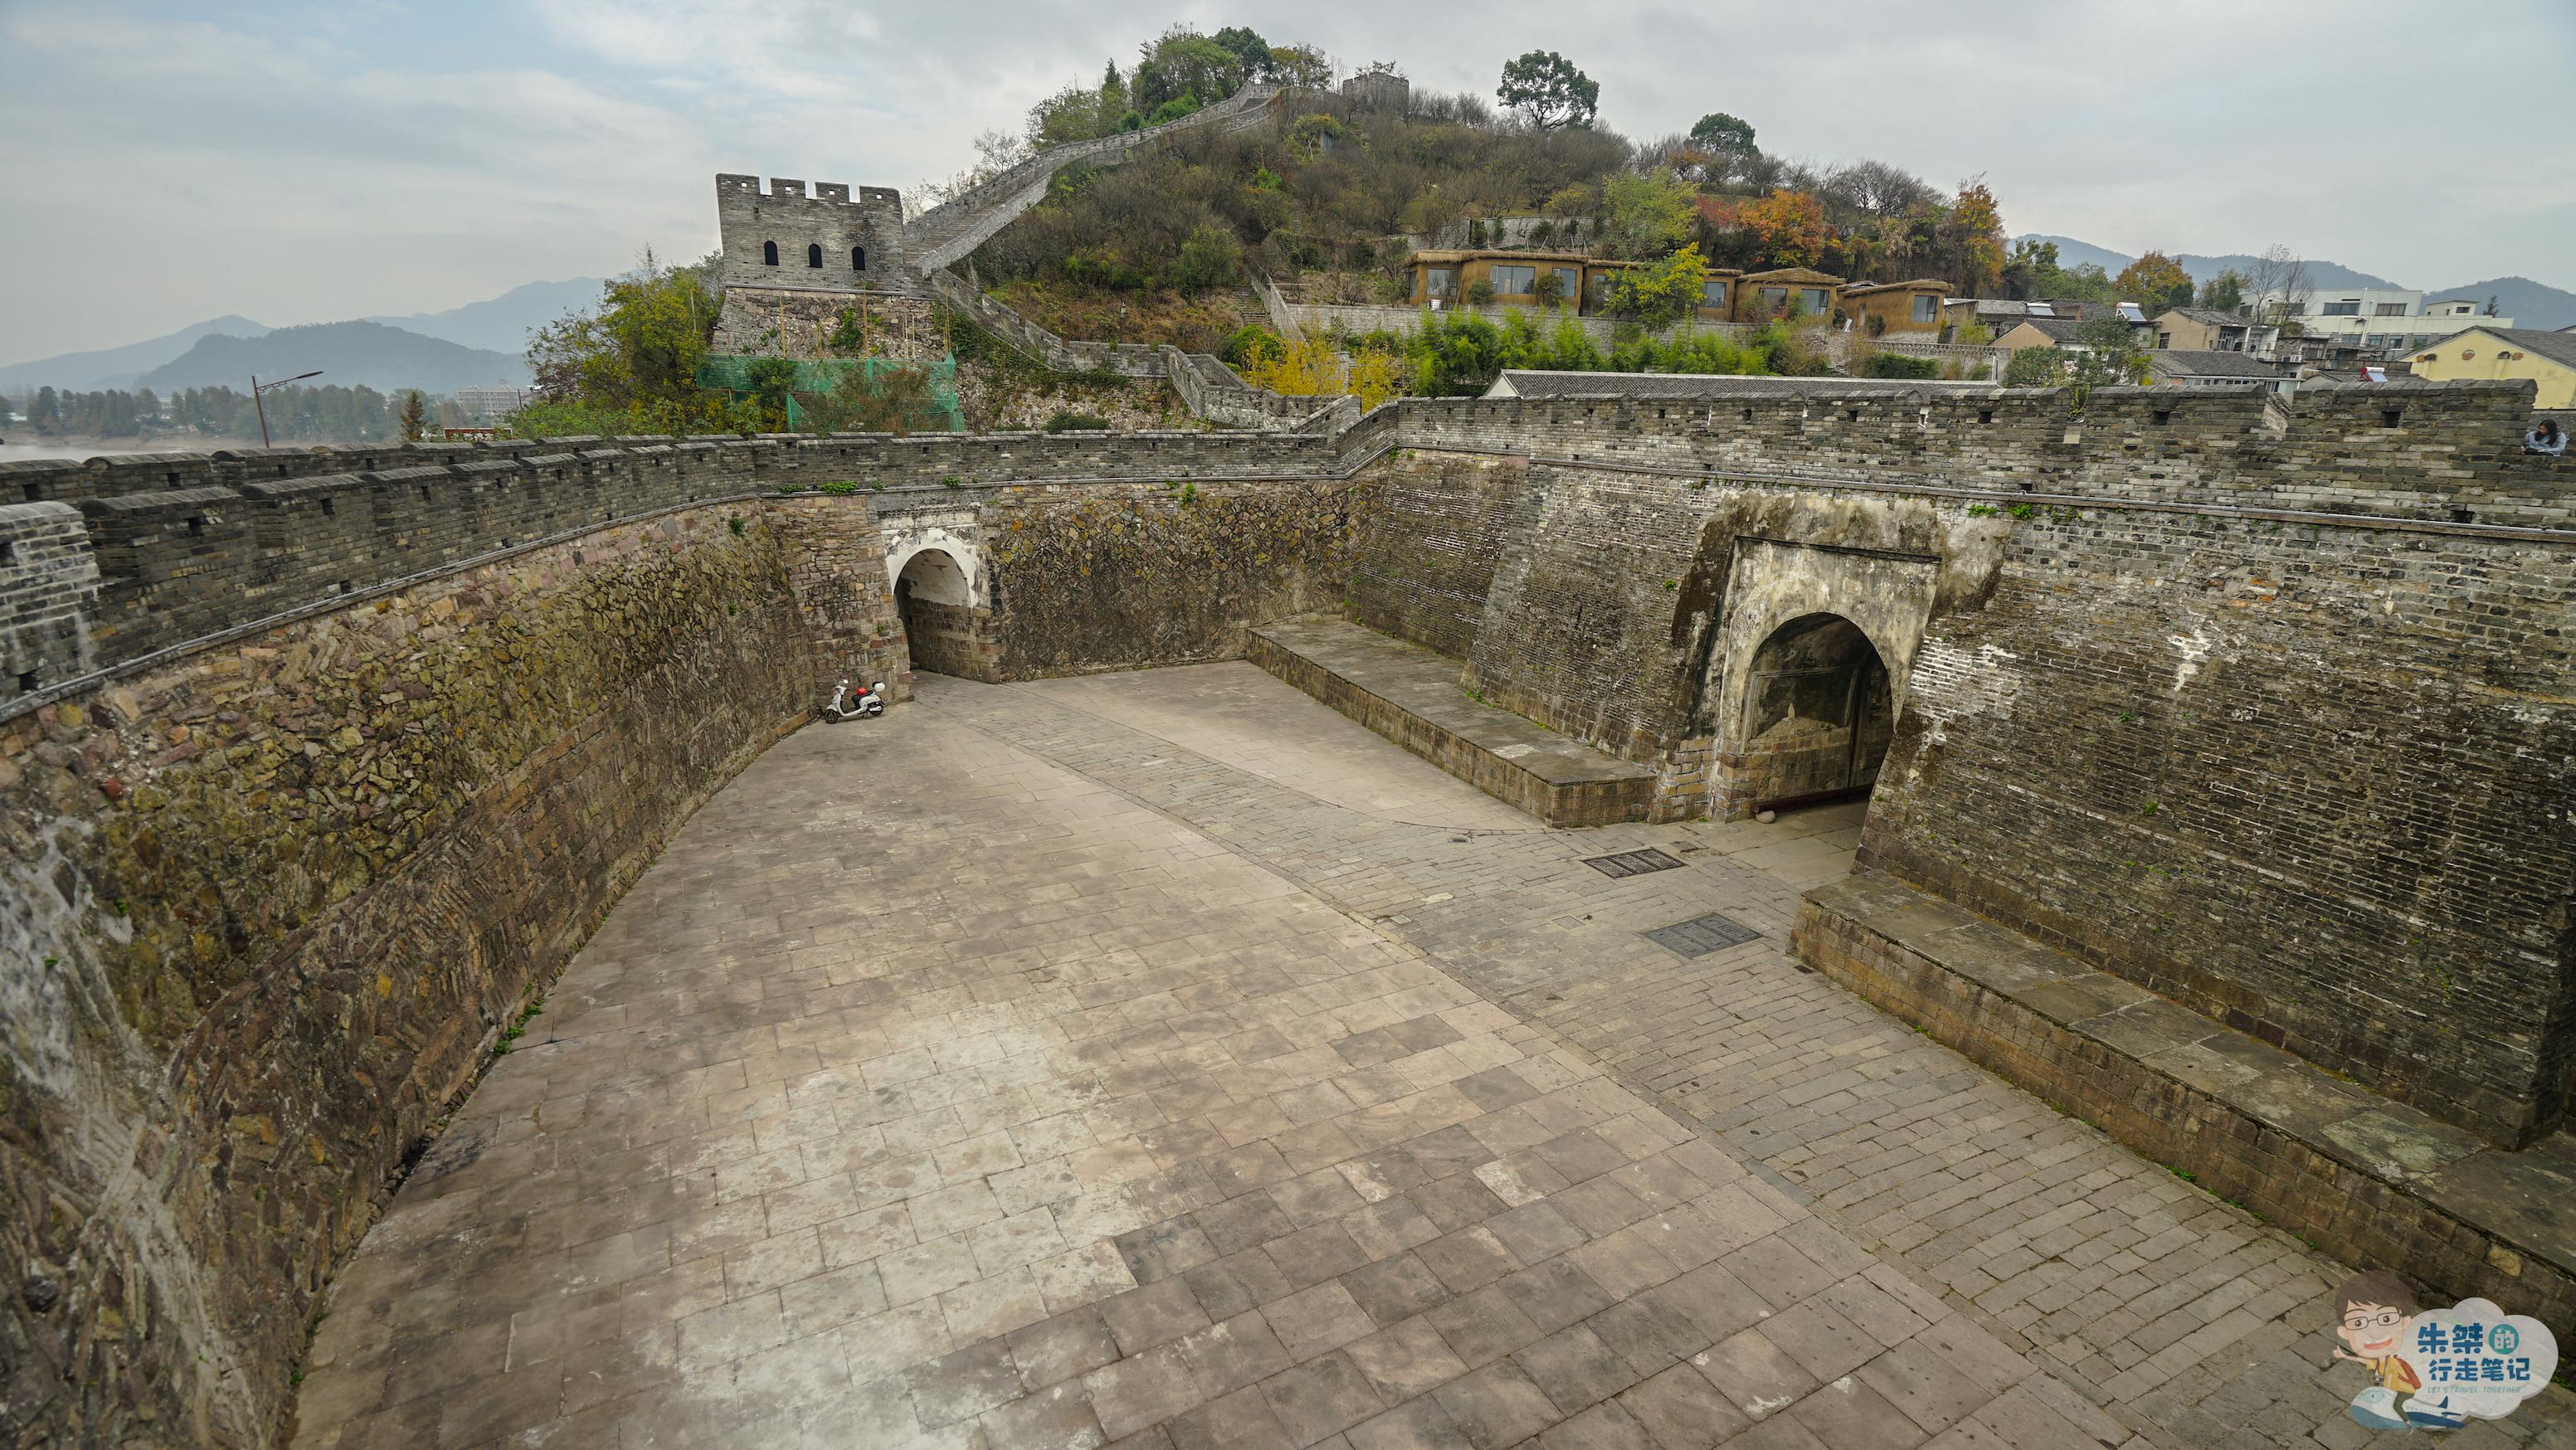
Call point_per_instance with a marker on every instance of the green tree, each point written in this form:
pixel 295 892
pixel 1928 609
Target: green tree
pixel 2036 367
pixel 415 416
pixel 1665 292
pixel 2029 262
pixel 772 379
pixel 1209 258
pixel 1184 63
pixel 1076 114
pixel 2225 292
pixel 1300 65
pixel 639 349
pixel 2106 352
pixel 1725 137
pixel 1546 88
pixel 1250 51
pixel 1645 214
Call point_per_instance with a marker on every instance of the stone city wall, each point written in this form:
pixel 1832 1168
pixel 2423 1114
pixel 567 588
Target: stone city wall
pixel 1138 576
pixel 313 763
pixel 271 905
pixel 1426 565
pixel 2306 777
pixel 2310 781
pixel 186 546
pixel 783 322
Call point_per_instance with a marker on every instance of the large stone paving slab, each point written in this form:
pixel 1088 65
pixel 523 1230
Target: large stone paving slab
pixel 1240 715
pixel 2184 1315
pixel 1018 1071
pixel 927 1092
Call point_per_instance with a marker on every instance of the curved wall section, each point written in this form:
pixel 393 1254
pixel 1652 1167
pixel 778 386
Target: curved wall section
pixel 270 906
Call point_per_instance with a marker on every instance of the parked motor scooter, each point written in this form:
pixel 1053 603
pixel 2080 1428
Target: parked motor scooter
pixel 870 700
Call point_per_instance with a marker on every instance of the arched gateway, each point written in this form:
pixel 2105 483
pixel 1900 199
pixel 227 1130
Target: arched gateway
pixel 935 595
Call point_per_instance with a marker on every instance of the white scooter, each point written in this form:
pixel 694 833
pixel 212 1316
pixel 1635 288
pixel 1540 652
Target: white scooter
pixel 845 706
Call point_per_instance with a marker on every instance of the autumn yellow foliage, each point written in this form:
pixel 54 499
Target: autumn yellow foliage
pixel 1313 367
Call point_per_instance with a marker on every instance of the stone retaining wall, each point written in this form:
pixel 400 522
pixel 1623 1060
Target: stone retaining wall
pixel 1136 576
pixel 271 905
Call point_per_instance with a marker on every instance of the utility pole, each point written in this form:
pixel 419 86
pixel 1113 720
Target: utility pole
pixel 257 387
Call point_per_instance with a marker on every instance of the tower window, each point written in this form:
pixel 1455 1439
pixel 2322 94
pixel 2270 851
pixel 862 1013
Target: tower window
pixel 814 254
pixel 769 254
pixel 858 259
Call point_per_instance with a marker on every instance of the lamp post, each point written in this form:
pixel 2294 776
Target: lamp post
pixel 257 387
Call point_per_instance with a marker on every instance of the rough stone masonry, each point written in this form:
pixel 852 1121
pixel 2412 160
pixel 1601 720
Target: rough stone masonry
pixel 316 765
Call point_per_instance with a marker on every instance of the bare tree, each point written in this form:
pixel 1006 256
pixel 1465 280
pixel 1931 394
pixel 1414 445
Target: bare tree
pixel 1874 187
pixel 2277 284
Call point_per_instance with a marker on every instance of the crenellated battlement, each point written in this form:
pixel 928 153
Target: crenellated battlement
pixel 176 547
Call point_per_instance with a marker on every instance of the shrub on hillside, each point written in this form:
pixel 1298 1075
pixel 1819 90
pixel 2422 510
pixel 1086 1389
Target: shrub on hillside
pixel 1249 345
pixel 1899 365
pixel 1067 421
pixel 1210 258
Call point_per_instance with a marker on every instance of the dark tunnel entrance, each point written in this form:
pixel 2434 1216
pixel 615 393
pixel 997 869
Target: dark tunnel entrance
pixel 936 603
pixel 1817 714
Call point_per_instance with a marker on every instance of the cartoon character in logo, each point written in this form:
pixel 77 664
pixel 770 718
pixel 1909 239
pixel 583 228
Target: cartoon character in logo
pixel 2375 1307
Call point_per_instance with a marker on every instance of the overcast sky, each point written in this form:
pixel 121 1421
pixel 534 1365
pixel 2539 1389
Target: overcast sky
pixel 303 163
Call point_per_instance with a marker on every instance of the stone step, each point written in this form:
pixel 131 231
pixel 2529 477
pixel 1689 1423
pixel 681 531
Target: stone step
pixel 1412 696
pixel 2363 1177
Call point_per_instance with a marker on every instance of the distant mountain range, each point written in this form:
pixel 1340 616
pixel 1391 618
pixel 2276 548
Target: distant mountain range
pixel 118 367
pixel 503 323
pixel 2528 303
pixel 351 354
pixel 480 342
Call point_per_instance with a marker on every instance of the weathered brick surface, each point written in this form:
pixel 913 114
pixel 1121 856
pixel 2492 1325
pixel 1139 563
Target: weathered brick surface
pixel 1427 564
pixel 48 589
pixel 2311 782
pixel 835 558
pixel 284 896
pixel 1117 578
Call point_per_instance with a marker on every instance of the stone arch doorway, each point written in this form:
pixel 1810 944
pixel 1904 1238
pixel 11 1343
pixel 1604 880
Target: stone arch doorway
pixel 1814 718
pixel 941 625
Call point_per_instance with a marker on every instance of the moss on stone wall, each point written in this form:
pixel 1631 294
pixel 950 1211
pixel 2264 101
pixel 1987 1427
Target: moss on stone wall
pixel 282 894
pixel 1145 576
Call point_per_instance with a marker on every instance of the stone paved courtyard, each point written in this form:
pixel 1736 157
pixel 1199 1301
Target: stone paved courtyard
pixel 1163 1059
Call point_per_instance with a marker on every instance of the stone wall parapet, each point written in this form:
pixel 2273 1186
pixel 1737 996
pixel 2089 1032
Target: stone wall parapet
pixel 188 544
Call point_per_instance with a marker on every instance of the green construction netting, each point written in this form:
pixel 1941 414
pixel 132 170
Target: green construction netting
pixel 822 375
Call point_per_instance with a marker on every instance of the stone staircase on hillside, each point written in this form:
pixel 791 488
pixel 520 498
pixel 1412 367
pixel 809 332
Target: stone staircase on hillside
pixel 962 223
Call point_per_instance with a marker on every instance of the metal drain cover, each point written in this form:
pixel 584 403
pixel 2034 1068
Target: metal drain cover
pixel 1632 863
pixel 1701 935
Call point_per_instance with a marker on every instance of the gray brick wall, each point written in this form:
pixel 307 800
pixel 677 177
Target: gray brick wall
pixel 830 217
